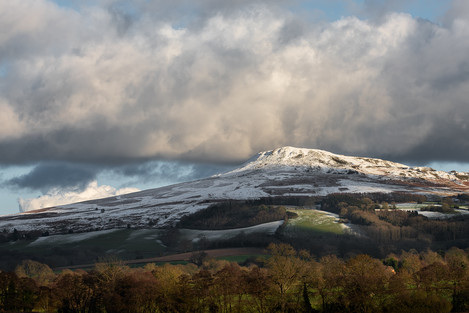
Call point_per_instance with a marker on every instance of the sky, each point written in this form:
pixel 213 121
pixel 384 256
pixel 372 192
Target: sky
pixel 104 97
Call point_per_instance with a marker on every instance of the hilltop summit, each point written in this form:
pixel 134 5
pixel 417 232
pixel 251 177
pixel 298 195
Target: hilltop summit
pixel 291 156
pixel 324 161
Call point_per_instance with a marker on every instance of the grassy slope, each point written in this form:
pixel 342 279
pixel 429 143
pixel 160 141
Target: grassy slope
pixel 66 250
pixel 131 244
pixel 313 221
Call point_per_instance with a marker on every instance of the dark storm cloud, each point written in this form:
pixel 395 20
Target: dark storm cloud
pixel 218 81
pixel 439 147
pixel 48 175
pixel 97 144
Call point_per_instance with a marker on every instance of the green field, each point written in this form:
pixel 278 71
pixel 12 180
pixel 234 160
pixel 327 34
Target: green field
pixel 61 250
pixel 91 247
pixel 314 221
pixel 414 205
pixel 132 244
pixel 418 206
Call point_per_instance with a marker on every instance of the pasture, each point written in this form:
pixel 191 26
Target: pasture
pixel 314 221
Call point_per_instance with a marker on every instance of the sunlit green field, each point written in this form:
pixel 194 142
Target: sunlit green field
pixel 414 205
pixel 314 221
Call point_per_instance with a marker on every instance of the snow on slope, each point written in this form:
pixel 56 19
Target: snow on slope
pixel 282 172
pixel 324 160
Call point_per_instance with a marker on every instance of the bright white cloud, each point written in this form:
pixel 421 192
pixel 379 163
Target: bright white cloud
pixel 57 196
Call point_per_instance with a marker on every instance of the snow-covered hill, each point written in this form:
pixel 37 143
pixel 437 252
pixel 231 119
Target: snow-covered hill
pixel 284 172
pixel 320 160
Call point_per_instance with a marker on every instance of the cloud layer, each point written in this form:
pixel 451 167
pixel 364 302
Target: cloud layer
pixel 109 83
pixel 59 196
pixel 47 176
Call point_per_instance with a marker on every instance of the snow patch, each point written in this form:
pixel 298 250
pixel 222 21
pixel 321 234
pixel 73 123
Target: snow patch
pixel 69 238
pixel 197 235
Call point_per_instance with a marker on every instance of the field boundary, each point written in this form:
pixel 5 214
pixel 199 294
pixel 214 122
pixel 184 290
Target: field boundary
pixel 215 253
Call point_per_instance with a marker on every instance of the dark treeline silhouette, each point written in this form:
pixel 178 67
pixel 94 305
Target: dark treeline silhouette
pixel 288 281
pixel 232 214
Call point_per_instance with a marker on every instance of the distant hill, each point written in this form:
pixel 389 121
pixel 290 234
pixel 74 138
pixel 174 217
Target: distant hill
pixel 283 175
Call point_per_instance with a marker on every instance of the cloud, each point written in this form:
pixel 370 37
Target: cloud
pixel 48 175
pixel 167 171
pixel 458 12
pixel 10 124
pixel 108 83
pixel 57 197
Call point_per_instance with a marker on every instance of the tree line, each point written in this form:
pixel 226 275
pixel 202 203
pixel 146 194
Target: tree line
pixel 287 281
pixel 232 214
pixel 393 229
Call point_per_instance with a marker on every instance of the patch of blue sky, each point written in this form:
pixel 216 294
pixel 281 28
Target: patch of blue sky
pixel 449 166
pixel 9 196
pixel 333 10
pixel 9 172
pixel 329 10
pixel 432 10
pixel 3 70
pixel 70 4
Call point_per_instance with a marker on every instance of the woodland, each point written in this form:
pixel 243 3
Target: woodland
pixel 287 281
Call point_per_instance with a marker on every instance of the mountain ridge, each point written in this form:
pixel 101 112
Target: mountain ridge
pixel 316 158
pixel 284 172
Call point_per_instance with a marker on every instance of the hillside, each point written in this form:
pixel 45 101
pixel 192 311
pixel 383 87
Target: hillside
pixel 324 161
pixel 283 173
